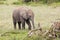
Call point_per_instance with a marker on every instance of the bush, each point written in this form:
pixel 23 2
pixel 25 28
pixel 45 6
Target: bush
pixel 17 3
pixel 1 2
pixel 50 1
pixel 26 1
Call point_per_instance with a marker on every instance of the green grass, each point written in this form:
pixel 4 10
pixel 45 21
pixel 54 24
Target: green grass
pixel 43 14
pixel 14 35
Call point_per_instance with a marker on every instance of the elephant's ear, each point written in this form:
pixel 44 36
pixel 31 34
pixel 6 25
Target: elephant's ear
pixel 24 15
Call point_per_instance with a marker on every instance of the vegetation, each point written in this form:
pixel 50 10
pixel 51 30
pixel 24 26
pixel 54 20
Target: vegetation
pixel 41 14
pixel 45 12
pixel 29 2
pixel 2 0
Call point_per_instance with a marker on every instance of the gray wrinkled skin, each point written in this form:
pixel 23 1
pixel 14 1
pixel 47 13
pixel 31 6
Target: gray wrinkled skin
pixel 22 15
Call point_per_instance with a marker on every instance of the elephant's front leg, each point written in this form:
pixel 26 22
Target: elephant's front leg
pixel 29 24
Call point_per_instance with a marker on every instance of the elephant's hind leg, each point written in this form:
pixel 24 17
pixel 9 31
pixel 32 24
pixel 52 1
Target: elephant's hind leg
pixel 14 25
pixel 23 25
pixel 19 25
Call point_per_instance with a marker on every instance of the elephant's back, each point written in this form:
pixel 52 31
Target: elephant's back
pixel 24 12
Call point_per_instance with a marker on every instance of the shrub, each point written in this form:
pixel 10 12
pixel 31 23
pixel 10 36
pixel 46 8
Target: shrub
pixel 17 3
pixel 1 2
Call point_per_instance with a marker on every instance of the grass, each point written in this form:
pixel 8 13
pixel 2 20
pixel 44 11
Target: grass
pixel 14 35
pixel 43 14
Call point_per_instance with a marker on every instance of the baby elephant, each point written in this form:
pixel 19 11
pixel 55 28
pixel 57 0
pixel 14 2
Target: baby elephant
pixel 22 15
